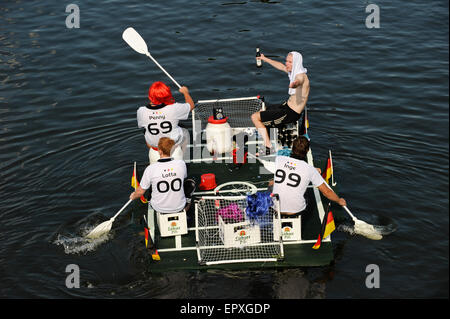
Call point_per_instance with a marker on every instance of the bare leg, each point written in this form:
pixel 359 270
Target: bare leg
pixel 256 119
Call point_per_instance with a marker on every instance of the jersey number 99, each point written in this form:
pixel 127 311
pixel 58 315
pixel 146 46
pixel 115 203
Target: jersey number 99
pixel 280 177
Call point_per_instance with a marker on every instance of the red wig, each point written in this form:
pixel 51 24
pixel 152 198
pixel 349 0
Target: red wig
pixel 160 93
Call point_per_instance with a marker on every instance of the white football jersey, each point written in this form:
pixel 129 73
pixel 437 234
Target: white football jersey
pixel 291 179
pixel 166 178
pixel 162 122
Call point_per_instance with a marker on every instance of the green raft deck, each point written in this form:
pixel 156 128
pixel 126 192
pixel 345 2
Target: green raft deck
pixel 184 252
pixel 181 253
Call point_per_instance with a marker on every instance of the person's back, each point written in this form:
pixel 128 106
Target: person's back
pixel 291 180
pixel 162 121
pixel 292 177
pixel 161 116
pixel 166 179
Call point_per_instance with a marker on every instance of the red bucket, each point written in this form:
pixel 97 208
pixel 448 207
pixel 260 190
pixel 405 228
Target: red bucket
pixel 208 182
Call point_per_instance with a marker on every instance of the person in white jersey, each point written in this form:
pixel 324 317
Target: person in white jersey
pixel 290 110
pixel 292 177
pixel 167 182
pixel 161 116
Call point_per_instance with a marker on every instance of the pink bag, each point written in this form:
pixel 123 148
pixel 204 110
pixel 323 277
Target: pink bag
pixel 230 214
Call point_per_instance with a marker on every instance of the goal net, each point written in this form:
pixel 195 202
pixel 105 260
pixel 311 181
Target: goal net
pixel 230 229
pixel 238 110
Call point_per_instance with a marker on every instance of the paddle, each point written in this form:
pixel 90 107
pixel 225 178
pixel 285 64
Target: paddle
pixel 148 233
pixel 105 227
pixel 270 166
pixel 361 227
pixel 138 44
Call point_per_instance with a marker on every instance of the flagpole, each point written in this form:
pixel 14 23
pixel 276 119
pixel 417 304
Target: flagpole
pixel 149 232
pixel 332 170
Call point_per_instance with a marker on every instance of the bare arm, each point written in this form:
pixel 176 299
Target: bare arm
pixel 138 193
pixel 331 195
pixel 187 97
pixel 277 65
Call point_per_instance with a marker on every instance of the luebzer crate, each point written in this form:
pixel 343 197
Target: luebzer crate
pixel 238 234
pixel 291 229
pixel 172 224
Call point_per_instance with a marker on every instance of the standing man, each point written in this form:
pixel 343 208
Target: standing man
pixel 292 177
pixel 170 191
pixel 290 110
pixel 161 116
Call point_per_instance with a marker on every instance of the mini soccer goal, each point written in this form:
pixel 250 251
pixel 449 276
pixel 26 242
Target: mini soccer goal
pixel 226 123
pixel 237 110
pixel 238 229
pixel 226 120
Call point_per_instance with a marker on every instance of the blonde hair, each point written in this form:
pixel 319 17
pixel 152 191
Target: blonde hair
pixel 166 145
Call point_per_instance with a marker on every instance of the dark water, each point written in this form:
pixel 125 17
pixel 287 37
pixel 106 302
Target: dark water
pixel 68 137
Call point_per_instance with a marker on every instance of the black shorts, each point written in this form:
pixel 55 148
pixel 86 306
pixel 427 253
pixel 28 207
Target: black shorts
pixel 277 115
pixel 293 215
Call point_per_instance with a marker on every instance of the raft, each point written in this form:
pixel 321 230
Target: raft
pixel 209 242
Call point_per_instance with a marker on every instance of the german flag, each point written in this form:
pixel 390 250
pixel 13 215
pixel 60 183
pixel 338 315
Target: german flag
pixel 327 227
pixel 148 241
pixel 135 184
pixel 155 255
pixel 147 234
pixel 329 170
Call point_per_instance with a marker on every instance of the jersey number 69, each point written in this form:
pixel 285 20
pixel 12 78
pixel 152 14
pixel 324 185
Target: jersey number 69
pixel 166 127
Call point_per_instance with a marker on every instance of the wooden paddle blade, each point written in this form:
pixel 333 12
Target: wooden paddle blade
pixel 135 41
pixel 100 230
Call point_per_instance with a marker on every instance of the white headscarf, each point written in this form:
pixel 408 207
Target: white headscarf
pixel 297 67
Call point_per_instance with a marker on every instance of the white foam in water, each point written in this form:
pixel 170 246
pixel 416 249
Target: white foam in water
pixel 346 229
pixel 80 244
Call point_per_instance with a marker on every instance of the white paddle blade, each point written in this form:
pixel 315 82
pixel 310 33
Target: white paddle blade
pixel 268 165
pixel 100 230
pixel 135 41
pixel 366 230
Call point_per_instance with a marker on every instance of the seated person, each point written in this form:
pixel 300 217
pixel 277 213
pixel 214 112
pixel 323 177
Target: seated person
pixel 292 177
pixel 161 116
pixel 289 111
pixel 167 182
